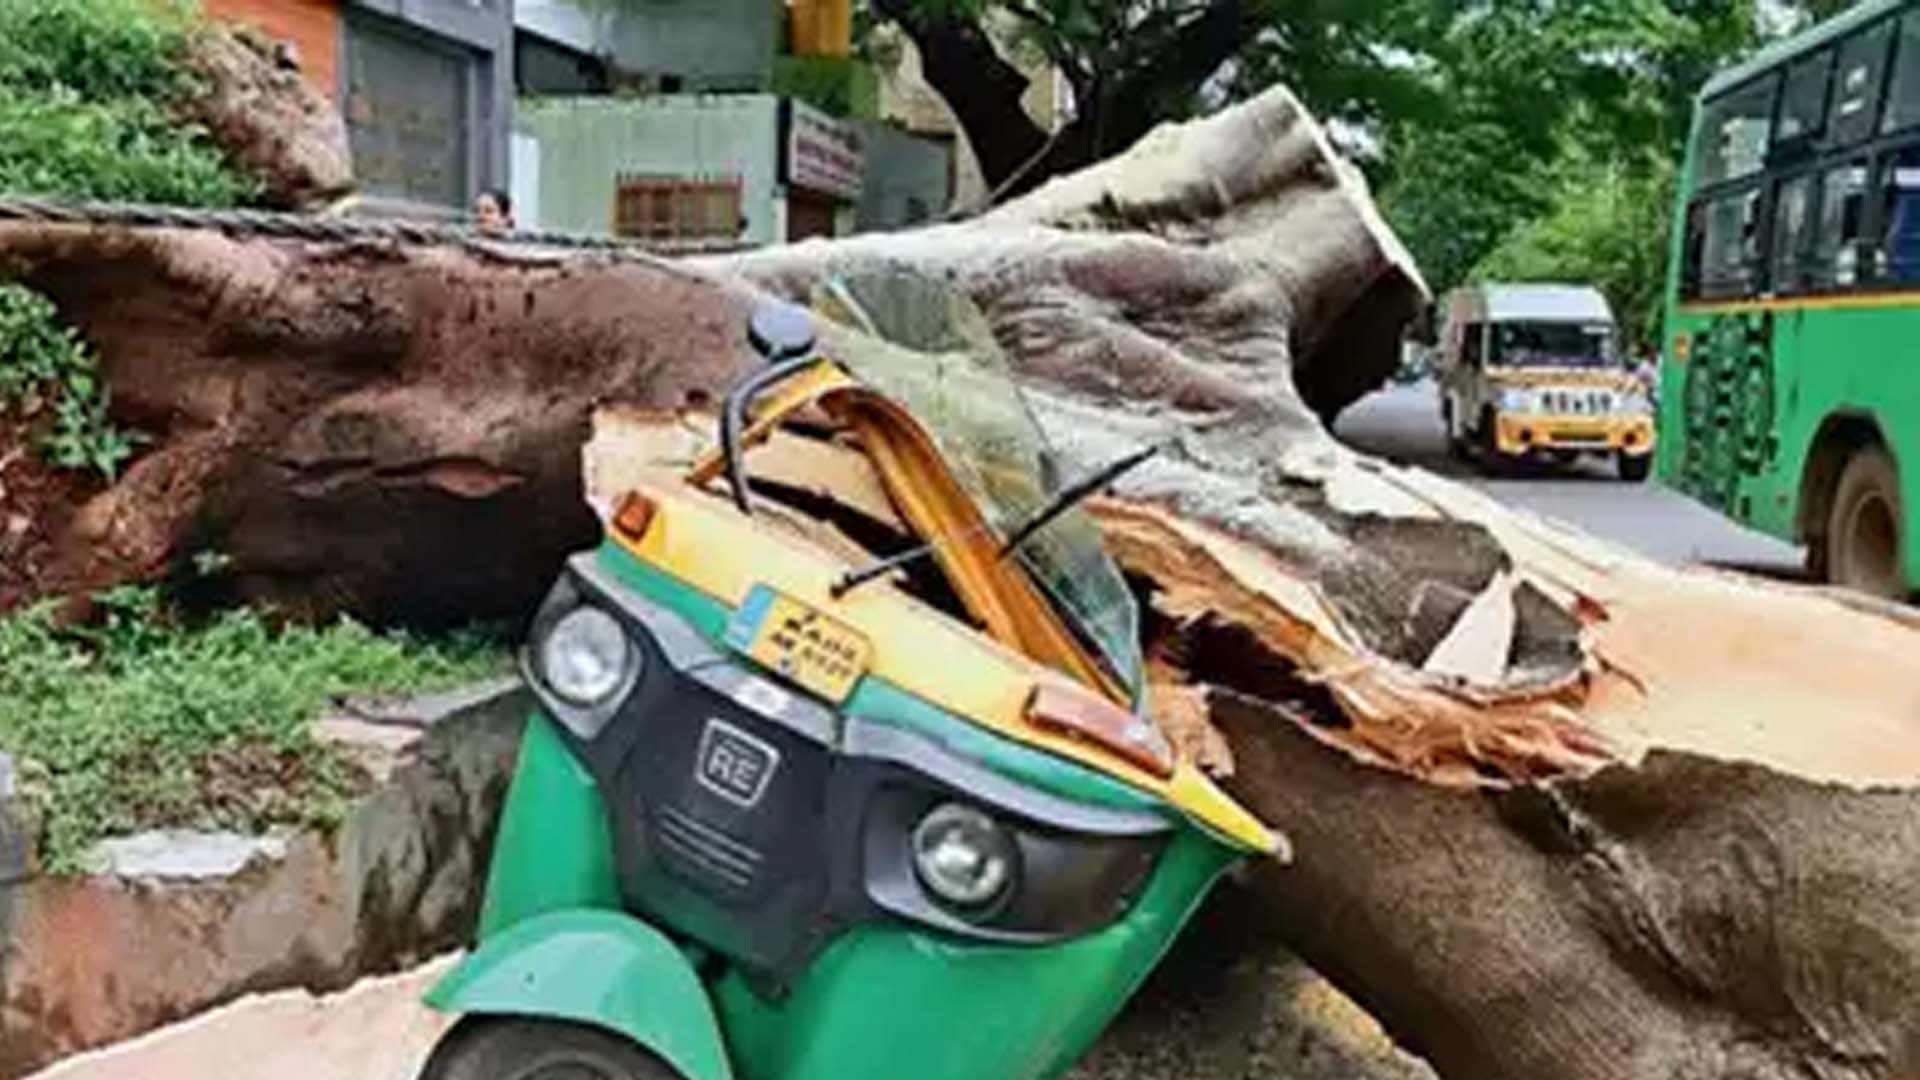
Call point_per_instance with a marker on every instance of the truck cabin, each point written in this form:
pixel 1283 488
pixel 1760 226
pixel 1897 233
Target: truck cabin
pixel 1533 326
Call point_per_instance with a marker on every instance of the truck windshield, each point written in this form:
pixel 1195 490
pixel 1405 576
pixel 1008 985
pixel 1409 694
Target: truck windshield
pixel 951 374
pixel 1553 344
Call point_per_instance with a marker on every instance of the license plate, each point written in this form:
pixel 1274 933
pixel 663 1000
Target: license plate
pixel 810 648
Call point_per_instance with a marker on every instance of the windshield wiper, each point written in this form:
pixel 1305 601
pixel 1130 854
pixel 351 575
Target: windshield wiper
pixel 1063 500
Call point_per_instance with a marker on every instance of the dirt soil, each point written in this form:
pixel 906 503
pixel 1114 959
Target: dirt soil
pixel 37 505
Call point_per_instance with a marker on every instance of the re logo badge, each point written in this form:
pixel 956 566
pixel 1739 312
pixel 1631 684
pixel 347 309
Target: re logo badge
pixel 735 765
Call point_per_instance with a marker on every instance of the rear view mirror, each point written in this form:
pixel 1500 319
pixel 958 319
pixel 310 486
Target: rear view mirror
pixel 780 331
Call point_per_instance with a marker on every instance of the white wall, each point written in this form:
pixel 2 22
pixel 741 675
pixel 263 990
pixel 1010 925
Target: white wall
pixel 586 142
pixel 526 181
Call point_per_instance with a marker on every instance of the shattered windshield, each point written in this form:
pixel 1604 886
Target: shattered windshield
pixel 1553 344
pixel 956 382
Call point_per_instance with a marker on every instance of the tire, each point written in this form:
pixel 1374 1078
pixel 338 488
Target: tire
pixel 518 1048
pixel 1486 438
pixel 1866 528
pixel 1635 469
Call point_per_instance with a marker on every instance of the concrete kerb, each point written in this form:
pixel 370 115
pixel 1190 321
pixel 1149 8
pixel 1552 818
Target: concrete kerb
pixel 185 922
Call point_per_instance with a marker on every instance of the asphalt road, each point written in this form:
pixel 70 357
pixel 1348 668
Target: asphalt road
pixel 1402 423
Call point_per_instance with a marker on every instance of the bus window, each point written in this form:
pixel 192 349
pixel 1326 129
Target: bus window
pixel 1693 250
pixel 1836 250
pixel 1856 85
pixel 1734 131
pixel 1803 105
pixel 1792 229
pixel 1899 256
pixel 1730 251
pixel 1903 92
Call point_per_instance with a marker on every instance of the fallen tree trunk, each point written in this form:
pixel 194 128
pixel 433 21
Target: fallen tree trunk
pixel 1545 796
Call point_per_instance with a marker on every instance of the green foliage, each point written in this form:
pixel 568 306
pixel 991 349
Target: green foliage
pixel 1607 226
pixel 1528 94
pixel 99 48
pixel 87 89
pixel 59 143
pixel 47 373
pixel 1458 109
pixel 840 87
pixel 143 722
pixel 1460 189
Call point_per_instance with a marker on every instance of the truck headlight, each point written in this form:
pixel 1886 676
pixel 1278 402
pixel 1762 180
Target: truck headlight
pixel 586 657
pixel 963 856
pixel 1519 401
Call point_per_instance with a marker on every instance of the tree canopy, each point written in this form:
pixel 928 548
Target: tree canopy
pixel 1476 119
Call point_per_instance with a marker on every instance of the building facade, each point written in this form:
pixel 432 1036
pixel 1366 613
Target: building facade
pixel 755 168
pixel 692 144
pixel 663 46
pixel 425 86
pixel 657 119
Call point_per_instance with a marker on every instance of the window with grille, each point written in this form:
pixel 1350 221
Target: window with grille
pixel 657 207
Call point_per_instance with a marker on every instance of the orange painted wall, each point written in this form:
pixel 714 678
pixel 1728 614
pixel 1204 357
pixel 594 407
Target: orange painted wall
pixel 313 26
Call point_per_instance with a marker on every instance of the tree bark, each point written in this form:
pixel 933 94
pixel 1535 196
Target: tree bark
pixel 1120 100
pixel 961 63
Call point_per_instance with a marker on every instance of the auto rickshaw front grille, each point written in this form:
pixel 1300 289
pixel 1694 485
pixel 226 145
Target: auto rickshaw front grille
pixel 704 852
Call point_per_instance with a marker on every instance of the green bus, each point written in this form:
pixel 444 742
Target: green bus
pixel 1790 382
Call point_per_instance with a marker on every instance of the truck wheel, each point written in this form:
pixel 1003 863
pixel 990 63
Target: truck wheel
pixel 1486 439
pixel 1635 468
pixel 1864 542
pixel 518 1048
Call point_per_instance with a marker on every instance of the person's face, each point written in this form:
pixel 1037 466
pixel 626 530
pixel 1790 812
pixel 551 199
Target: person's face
pixel 488 215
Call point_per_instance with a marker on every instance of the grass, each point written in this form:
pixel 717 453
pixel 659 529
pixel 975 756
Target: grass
pixel 142 721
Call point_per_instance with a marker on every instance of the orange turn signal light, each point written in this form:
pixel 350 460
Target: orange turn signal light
pixel 635 513
pixel 1080 715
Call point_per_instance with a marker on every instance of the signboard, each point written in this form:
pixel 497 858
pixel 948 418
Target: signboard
pixel 824 154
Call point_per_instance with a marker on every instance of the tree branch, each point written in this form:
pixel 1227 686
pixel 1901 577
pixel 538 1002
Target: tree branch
pixel 1059 42
pixel 978 84
pixel 1181 62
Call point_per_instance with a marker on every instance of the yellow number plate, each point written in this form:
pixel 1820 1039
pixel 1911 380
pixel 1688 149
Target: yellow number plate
pixel 810 648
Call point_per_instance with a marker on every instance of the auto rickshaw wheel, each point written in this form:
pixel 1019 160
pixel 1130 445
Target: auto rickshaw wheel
pixel 522 1048
pixel 1635 468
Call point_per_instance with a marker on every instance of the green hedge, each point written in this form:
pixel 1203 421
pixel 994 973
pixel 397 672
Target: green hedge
pixel 140 721
pixel 88 90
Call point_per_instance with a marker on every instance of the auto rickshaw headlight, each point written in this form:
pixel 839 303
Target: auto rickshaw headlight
pixel 586 657
pixel 963 856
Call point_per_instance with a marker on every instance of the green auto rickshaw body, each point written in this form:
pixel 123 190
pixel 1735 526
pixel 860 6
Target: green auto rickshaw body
pixel 557 939
pixel 772 823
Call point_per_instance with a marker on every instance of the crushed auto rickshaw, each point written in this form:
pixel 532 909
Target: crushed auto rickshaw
pixel 843 784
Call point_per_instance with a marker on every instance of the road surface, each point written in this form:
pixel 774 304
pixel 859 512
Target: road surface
pixel 1402 423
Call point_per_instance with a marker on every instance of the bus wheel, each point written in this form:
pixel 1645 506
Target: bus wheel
pixel 1863 535
pixel 1635 467
pixel 520 1048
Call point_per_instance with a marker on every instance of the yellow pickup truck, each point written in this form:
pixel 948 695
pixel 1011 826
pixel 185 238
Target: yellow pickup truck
pixel 1535 373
